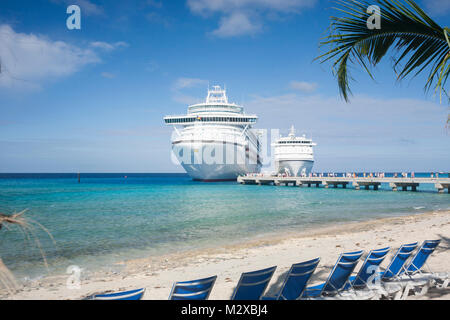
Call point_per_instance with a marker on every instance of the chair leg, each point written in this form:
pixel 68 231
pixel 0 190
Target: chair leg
pixel 433 283
pixel 398 295
pixel 405 292
pixel 422 290
pixel 443 285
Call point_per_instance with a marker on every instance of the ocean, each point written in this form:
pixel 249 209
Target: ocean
pixel 109 218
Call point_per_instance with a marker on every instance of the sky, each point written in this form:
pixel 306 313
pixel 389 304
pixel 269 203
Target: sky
pixel 93 100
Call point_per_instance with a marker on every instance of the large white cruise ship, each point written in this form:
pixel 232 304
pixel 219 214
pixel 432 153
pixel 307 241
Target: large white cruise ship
pixel 214 140
pixel 293 155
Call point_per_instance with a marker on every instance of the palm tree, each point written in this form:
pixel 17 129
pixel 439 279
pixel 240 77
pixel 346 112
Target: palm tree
pixel 419 44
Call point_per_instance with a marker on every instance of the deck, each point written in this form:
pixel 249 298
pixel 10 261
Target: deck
pixel 404 184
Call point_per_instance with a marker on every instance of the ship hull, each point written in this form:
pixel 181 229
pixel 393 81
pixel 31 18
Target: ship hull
pixel 226 163
pixel 295 167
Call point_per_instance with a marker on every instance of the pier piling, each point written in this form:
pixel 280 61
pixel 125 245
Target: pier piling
pixel 442 186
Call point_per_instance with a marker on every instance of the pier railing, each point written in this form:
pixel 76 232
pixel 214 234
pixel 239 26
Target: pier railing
pixel 395 184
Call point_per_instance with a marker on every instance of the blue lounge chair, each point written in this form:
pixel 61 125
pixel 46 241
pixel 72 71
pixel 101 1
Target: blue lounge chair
pixel 363 284
pixel 192 290
pixel 392 287
pixel 421 257
pixel 296 280
pixel 338 279
pixel 416 277
pixel 251 285
pixel 396 268
pixel 369 269
pixel 125 295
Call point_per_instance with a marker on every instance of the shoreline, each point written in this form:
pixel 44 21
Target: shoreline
pixel 158 273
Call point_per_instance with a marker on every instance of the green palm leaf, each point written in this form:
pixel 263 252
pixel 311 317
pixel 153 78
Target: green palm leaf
pixel 418 42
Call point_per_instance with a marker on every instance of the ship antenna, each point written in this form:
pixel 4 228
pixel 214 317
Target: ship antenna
pixel 292 132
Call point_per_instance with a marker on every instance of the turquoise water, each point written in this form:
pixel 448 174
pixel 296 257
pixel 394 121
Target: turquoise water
pixel 109 218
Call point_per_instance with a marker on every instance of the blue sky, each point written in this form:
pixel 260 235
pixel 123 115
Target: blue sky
pixel 92 100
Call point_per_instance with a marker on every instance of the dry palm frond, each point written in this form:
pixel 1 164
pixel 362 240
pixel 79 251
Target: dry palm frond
pixel 27 226
pixel 447 126
pixel 13 219
pixel 420 43
pixel 6 278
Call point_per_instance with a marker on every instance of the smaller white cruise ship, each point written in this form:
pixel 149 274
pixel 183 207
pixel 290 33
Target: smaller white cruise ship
pixel 293 155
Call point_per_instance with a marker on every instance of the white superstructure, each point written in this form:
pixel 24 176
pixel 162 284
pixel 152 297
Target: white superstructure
pixel 214 140
pixel 293 155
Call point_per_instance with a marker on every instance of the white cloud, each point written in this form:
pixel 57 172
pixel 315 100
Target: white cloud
pixel 26 59
pixel 108 46
pixel 303 86
pixel 210 6
pixel 333 117
pixel 182 83
pixel 87 7
pixel 187 83
pixel 437 7
pixel 244 17
pixel 236 24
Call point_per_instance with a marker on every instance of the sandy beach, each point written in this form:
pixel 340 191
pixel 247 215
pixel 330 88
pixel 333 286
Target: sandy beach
pixel 157 274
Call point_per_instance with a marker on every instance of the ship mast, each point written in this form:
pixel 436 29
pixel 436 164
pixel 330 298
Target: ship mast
pixel 292 132
pixel 217 95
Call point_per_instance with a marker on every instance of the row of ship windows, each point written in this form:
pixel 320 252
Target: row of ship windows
pixel 212 107
pixel 290 142
pixel 210 119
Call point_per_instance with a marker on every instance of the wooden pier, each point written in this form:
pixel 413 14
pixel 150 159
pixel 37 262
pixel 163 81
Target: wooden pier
pixel 441 184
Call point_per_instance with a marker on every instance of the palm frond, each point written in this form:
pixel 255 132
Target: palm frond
pixel 28 228
pixel 417 41
pixel 7 279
